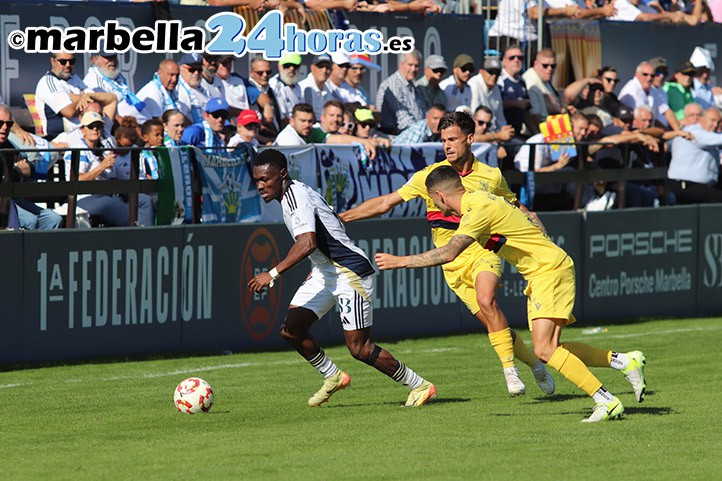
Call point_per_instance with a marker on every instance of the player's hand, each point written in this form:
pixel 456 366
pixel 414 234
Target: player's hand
pixel 260 282
pixel 387 261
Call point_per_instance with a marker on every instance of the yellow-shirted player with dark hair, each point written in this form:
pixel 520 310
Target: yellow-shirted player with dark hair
pixel 497 225
pixel 475 274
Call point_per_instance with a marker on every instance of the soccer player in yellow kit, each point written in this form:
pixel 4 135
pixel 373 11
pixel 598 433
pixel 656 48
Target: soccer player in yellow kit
pixel 499 226
pixel 474 276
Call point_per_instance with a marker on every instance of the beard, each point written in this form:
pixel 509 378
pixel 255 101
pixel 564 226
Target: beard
pixel 111 74
pixel 288 79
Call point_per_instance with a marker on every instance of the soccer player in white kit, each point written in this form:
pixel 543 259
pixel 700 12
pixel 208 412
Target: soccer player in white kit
pixel 341 275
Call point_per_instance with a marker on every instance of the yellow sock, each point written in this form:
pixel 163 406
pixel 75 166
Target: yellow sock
pixel 504 346
pixel 523 353
pixel 591 356
pixel 572 368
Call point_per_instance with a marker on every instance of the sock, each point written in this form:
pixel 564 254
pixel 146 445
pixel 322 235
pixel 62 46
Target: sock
pixel 618 360
pixel 572 368
pixel 602 395
pixel 504 346
pixel 591 356
pixel 523 353
pixel 407 376
pixel 323 364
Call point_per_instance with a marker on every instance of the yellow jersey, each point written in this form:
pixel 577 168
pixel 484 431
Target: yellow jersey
pixel 499 226
pixel 481 177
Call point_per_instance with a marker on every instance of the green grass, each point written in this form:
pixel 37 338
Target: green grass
pixel 116 421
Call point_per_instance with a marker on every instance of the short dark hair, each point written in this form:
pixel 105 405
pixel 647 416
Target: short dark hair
pixel 483 108
pixel 334 103
pixel 439 107
pixel 302 107
pixel 442 175
pixel 460 119
pixel 272 157
pixel 145 128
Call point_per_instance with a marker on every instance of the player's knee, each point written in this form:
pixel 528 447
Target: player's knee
pixel 487 301
pixel 286 333
pixel 365 352
pixel 543 351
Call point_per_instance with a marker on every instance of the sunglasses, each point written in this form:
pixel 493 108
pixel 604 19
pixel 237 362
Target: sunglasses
pixel 647 74
pixel 548 65
pixel 195 69
pixel 65 61
pixel 611 80
pixel 494 72
pixel 482 123
pixel 262 72
pixel 289 65
pixel 9 123
pixel 343 65
pixel 467 68
pixel 515 57
pixel 96 126
pixel 661 72
pixel 439 70
pixel 219 114
pixel 349 125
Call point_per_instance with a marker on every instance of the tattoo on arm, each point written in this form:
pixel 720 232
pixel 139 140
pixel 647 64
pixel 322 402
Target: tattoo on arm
pixel 442 255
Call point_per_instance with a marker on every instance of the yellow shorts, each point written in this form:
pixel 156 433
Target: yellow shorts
pixel 551 295
pixel 461 273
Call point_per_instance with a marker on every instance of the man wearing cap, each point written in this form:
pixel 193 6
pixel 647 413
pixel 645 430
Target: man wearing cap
pixel 234 85
pixel 434 70
pixel 398 98
pixel 425 130
pixel 212 86
pixel 285 85
pixel 160 93
pixel 456 85
pixel 315 91
pixel 247 125
pixel 485 91
pixel 679 92
pixel 60 94
pixel 192 98
pixel 354 76
pixel 105 76
pixel 206 133
pixel 339 69
pixel 640 91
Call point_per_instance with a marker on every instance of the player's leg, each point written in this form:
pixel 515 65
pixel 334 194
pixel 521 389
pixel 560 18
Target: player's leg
pixel 546 334
pixel 356 311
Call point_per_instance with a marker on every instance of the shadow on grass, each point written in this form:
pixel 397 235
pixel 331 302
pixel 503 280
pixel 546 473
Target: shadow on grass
pixel 556 398
pixel 397 403
pixel 654 411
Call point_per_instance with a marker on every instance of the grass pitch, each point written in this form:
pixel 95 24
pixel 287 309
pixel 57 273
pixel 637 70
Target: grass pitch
pixel 117 421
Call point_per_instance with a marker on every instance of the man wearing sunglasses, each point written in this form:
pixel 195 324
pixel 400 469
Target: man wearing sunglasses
pixel 486 91
pixel 206 134
pixel 456 86
pixel 640 90
pixel 514 95
pixel 544 98
pixel 428 85
pixel 60 95
pixel 315 91
pixel 192 98
pixel 234 85
pixel 358 65
pixel 339 69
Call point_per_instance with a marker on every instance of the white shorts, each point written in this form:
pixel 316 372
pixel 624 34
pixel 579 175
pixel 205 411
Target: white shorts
pixel 353 295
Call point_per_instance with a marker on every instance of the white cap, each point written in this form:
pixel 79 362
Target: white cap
pixel 701 57
pixel 340 57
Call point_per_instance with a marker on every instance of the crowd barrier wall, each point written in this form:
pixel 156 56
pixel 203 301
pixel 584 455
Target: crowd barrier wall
pixel 121 292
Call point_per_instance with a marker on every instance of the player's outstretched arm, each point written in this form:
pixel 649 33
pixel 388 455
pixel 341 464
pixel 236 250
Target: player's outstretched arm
pixel 434 257
pixel 532 216
pixel 372 207
pixel 303 247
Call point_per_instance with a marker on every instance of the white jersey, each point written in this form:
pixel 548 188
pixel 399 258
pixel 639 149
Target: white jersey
pixel 52 96
pixel 235 89
pixel 304 210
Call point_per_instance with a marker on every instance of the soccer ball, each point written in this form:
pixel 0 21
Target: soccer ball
pixel 193 395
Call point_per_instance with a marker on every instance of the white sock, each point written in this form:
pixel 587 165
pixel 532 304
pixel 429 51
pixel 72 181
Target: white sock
pixel 619 361
pixel 407 376
pixel 602 396
pixel 323 364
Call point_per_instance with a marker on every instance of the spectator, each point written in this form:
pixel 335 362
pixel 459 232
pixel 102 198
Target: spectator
pixel 703 91
pixel 234 85
pixel 425 130
pixel 694 169
pixel 349 124
pixel 210 85
pixel 627 12
pixel 110 210
pixel 544 98
pixel 485 91
pixel 30 215
pixel 262 98
pixel 355 92
pixel 339 71
pixel 126 135
pixel 191 98
pixel 483 120
pixel 514 95
pixel 332 116
pixel 428 85
pixel 679 92
pixel 285 85
pixel 364 124
pixel 75 135
pixel 425 7
pixel 160 93
pixel 314 88
pixel 151 132
pixel 456 86
pixel 398 98
pixel 173 126
pixel 640 91
pixel 610 79
pixel 247 125
pixel 206 134
pixel 105 76
pixel 60 95
pixel 586 11
pixel 692 113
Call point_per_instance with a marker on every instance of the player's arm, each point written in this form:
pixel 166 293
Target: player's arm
pixel 434 257
pixel 303 247
pixel 532 216
pixel 372 207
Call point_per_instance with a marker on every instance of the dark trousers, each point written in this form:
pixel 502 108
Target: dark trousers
pixel 693 193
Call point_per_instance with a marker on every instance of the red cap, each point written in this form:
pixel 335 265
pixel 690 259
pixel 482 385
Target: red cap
pixel 248 117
